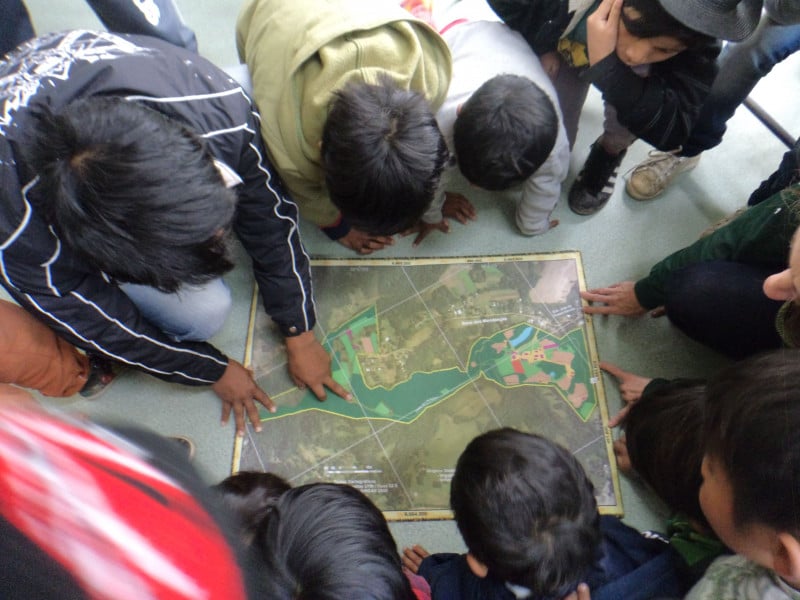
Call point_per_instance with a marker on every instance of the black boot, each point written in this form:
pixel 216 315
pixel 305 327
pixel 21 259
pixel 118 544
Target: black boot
pixel 595 183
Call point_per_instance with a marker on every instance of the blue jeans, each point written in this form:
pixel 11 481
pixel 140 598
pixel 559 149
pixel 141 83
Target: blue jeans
pixel 741 66
pixel 193 313
pixel 722 304
pixel 158 18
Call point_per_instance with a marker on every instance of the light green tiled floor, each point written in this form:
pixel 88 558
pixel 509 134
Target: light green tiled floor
pixel 620 242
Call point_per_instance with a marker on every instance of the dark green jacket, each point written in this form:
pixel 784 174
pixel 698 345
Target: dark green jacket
pixel 759 236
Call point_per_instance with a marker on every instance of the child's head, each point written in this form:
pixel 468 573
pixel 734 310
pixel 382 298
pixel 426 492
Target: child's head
pixel 326 541
pixel 504 132
pixel 664 438
pixel 383 155
pixel 133 192
pixel 649 34
pixel 526 511
pixel 250 495
pixel 751 469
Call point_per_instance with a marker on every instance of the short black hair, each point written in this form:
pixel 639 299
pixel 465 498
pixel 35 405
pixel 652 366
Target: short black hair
pixel 250 495
pixel 132 192
pixel 383 155
pixel 752 429
pixel 504 132
pixel 664 437
pixel 326 541
pixel 526 510
pixel 653 21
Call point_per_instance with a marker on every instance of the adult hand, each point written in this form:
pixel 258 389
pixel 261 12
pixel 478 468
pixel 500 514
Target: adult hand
pixel 458 207
pixel 310 366
pixel 413 557
pixel 618 299
pixel 239 392
pixel 631 387
pixel 582 593
pixel 602 28
pixel 365 243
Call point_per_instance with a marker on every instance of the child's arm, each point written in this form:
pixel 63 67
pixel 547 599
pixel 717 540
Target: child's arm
pixel 542 190
pixel 541 22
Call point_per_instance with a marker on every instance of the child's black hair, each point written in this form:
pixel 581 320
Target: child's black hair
pixel 653 21
pixel 752 429
pixel 664 437
pixel 250 495
pixel 383 155
pixel 526 510
pixel 132 192
pixel 325 541
pixel 504 132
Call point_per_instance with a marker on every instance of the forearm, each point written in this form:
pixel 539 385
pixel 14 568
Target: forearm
pixel 542 190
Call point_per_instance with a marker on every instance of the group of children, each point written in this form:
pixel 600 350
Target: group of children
pixel 363 159
pixel 724 454
pixel 361 140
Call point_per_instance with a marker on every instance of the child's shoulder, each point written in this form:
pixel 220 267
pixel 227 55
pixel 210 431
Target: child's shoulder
pixel 736 578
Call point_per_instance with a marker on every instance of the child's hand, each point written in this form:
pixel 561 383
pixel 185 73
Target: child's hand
pixel 458 207
pixel 364 243
pixel 602 28
pixel 551 63
pixel 413 557
pixel 582 593
pixel 422 229
pixel 618 298
pixel 630 385
pixel 622 456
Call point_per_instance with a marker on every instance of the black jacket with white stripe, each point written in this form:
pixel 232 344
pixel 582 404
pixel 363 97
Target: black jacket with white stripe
pixel 79 302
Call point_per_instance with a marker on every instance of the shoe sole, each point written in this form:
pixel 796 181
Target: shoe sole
pixel 641 197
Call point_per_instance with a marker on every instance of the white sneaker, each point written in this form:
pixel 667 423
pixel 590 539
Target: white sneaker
pixel 652 176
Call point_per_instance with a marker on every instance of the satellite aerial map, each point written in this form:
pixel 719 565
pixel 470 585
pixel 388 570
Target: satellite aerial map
pixel 435 352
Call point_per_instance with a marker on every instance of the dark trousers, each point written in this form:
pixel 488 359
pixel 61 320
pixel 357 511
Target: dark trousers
pixel 722 304
pixel 158 18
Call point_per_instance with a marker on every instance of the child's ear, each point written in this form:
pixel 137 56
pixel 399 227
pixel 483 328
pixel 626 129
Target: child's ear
pixel 787 557
pixel 477 567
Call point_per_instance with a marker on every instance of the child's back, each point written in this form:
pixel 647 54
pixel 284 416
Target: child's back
pixel 527 513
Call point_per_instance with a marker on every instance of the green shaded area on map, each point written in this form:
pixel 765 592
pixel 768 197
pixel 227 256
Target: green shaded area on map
pixel 519 355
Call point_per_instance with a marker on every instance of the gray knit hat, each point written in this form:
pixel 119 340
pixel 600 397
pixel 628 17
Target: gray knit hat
pixel 732 20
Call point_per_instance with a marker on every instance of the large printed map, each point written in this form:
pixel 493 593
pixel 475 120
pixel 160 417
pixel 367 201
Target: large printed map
pixel 435 352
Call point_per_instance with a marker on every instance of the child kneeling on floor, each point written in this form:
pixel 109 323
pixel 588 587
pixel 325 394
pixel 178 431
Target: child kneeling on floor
pixel 528 516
